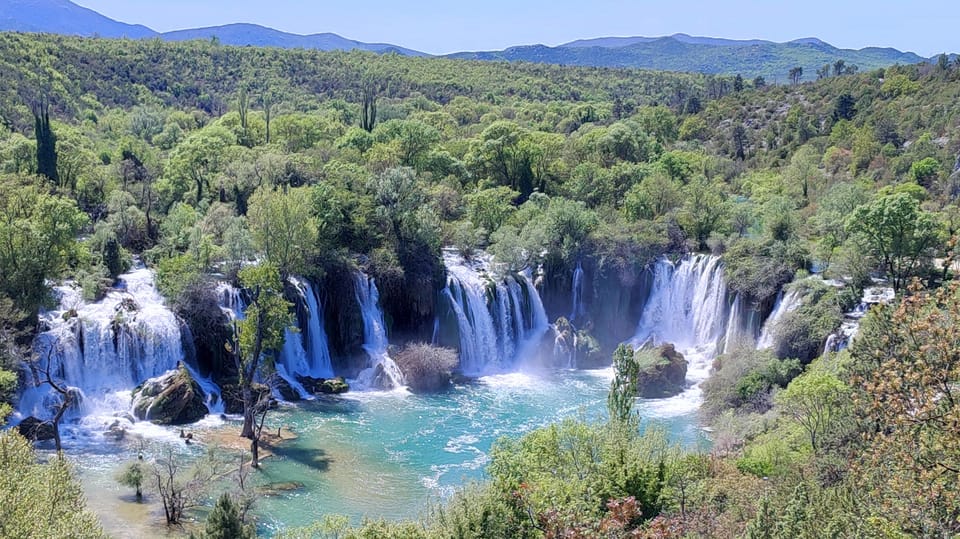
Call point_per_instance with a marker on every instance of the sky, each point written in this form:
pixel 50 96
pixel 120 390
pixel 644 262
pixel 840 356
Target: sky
pixel 443 26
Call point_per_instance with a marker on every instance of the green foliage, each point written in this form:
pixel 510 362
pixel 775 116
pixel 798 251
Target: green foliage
pixel 282 227
pixel 133 475
pixel 899 234
pixel 813 401
pixel 224 521
pixel 268 314
pixel 40 500
pixel 623 387
pixel 37 237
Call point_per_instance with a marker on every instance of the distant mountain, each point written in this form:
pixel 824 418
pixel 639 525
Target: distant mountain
pixel 681 52
pixel 260 36
pixel 64 17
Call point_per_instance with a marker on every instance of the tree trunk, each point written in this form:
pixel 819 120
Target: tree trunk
pixel 255 452
pixel 248 411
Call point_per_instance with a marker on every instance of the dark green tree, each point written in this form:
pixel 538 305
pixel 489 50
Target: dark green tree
pixel 46 142
pixel 224 521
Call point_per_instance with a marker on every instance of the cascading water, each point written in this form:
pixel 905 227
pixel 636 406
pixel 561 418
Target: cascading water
pixel 742 325
pixel 576 293
pixel 105 349
pixel 382 372
pixel 305 352
pixel 688 308
pixel 786 303
pixel 875 295
pixel 500 321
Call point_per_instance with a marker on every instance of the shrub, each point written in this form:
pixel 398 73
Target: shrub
pixel 426 367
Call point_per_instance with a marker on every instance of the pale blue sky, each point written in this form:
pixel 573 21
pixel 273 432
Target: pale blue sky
pixel 441 26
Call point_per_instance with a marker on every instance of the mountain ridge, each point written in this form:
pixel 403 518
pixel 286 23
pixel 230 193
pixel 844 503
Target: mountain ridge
pixel 677 52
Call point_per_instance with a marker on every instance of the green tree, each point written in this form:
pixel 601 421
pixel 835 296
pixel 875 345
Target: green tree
pixel 283 227
pixel 224 521
pixel 197 160
pixel 899 234
pixel 623 387
pixel 40 500
pixel 490 208
pixel 37 237
pixel 260 336
pixel 813 400
pixel 703 210
pixel 132 475
pixel 46 141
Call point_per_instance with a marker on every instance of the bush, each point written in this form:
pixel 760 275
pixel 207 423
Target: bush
pixel 426 367
pixel 802 333
pixel 745 378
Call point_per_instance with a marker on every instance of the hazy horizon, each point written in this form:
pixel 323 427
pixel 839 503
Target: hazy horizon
pixel 437 27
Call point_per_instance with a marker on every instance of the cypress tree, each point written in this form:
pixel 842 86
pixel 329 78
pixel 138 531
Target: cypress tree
pixel 46 142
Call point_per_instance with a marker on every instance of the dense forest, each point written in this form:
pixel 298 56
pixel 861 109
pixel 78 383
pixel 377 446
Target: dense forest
pixel 251 165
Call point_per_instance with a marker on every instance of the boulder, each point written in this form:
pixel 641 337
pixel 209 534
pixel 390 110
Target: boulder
pixel 35 429
pixel 663 372
pixel 173 398
pixel 287 392
pixel 324 386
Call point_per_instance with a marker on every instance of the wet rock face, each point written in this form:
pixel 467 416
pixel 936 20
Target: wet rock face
pixel 663 372
pixel 173 398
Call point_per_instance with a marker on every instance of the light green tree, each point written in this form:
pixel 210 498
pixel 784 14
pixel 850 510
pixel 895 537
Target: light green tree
pixel 40 500
pixel 899 234
pixel 283 227
pixel 260 336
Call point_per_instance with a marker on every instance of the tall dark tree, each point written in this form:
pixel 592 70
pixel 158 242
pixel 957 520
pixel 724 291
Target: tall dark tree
pixel 740 142
pixel 845 107
pixel 738 83
pixel 796 73
pixel 839 68
pixel 368 107
pixel 46 141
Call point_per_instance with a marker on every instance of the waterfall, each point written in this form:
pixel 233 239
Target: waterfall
pixel 875 295
pixel 687 307
pixel 382 372
pixel 105 349
pixel 500 321
pixel 231 300
pixel 576 293
pixel 305 352
pixel 786 303
pixel 687 304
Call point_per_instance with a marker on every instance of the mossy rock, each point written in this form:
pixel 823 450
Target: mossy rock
pixel 663 372
pixel 173 398
pixel 334 386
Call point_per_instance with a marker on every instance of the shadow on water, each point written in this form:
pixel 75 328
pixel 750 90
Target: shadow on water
pixel 332 405
pixel 316 459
